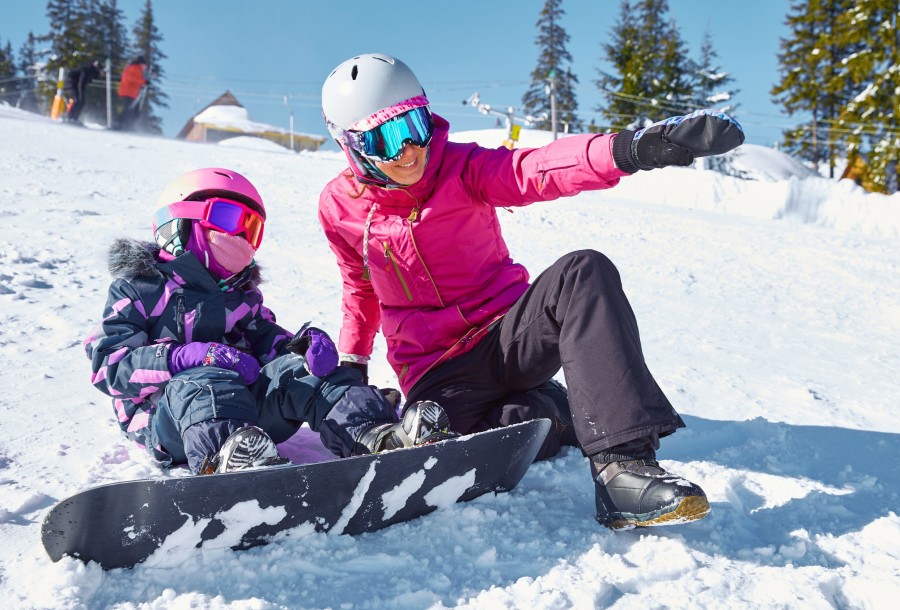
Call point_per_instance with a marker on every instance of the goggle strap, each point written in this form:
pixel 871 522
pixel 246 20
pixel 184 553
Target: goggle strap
pixel 200 210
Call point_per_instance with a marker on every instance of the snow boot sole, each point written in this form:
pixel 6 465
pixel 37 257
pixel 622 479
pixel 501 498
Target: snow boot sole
pixel 691 508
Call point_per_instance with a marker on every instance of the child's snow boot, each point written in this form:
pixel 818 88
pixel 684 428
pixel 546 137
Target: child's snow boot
pixel 423 422
pixel 249 447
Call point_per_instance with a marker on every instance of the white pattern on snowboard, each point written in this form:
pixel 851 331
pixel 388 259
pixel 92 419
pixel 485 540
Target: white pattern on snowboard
pixel 238 520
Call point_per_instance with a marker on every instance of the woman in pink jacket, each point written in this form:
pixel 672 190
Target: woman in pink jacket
pixel 414 226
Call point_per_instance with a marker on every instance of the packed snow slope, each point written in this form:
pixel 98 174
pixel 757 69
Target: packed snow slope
pixel 769 310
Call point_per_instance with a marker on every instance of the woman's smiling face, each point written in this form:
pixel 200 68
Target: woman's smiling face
pixel 409 168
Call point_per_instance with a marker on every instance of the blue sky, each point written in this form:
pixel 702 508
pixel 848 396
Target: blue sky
pixel 267 49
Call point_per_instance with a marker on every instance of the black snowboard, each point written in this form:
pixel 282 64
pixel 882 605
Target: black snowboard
pixel 122 524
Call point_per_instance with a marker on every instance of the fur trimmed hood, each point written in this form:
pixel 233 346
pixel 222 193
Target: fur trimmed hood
pixel 131 258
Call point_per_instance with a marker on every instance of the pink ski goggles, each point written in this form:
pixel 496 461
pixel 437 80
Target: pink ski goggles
pixel 223 215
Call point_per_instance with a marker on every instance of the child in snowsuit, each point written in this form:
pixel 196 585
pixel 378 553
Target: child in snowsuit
pixel 198 369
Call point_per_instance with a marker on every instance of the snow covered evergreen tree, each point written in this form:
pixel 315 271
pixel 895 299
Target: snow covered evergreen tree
pixel 7 62
pixel 711 90
pixel 650 76
pixel 107 21
pixel 553 66
pixel 64 37
pixel 869 121
pixel 146 42
pixel 811 78
pixel 711 87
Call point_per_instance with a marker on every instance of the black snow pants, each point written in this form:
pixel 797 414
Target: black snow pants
pixel 575 317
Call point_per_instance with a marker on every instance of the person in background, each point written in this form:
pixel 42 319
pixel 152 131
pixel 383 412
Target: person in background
pixel 130 90
pixel 197 367
pixel 413 225
pixel 75 86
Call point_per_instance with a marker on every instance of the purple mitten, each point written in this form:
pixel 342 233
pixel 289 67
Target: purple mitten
pixel 227 357
pixel 318 349
pixel 322 355
pixel 184 357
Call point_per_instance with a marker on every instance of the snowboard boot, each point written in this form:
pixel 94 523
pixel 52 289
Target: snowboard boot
pixel 248 447
pixel 640 493
pixel 422 423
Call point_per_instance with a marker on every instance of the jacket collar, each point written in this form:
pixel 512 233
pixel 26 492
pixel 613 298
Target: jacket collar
pixel 132 258
pixel 193 273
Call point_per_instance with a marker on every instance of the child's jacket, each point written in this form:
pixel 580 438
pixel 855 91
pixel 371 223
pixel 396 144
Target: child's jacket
pixel 153 303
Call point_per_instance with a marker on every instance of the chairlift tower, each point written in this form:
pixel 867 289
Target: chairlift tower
pixel 513 122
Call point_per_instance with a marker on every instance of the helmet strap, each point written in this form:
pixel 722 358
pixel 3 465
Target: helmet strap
pixel 366 171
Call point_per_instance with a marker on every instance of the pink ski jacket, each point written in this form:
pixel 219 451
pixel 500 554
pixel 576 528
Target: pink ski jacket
pixel 427 264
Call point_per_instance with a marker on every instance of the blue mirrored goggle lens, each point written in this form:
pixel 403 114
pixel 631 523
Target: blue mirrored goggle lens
pixel 225 216
pixel 233 219
pixel 386 141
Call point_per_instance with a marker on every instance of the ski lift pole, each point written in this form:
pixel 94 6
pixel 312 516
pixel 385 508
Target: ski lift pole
pixel 290 121
pixel 107 66
pixel 59 101
pixel 509 117
pixel 512 130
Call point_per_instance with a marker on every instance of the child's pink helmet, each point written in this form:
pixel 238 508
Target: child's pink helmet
pixel 170 230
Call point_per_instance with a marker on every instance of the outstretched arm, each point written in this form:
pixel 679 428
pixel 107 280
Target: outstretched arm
pixel 588 162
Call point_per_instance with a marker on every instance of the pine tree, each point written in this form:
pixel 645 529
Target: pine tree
pixel 552 67
pixel 109 26
pixel 31 66
pixel 711 87
pixel 7 63
pixel 650 76
pixel 146 43
pixel 869 119
pixel 711 90
pixel 672 79
pixel 810 66
pixel 63 38
pixel 8 78
pixel 622 86
pixel 65 42
pixel 30 63
pixel 83 31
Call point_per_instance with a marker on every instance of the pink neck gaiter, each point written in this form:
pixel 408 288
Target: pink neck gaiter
pixel 223 254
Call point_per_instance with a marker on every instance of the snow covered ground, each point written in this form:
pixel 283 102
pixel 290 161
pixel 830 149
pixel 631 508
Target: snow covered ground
pixel 769 311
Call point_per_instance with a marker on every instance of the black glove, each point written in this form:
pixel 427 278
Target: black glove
pixel 391 395
pixel 362 367
pixel 677 141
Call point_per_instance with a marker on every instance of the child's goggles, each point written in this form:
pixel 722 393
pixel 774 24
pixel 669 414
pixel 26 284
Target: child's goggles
pixel 385 142
pixel 223 215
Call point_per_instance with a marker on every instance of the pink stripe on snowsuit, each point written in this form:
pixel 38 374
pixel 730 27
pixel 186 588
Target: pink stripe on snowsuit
pixel 139 421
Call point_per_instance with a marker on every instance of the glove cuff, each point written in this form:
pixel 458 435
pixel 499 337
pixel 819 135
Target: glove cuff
pixel 621 151
pixel 359 366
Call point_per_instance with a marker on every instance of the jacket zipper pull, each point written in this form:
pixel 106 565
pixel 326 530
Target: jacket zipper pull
pixel 414 215
pixel 387 257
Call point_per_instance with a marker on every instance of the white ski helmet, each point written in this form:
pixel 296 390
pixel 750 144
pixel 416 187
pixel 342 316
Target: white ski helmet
pixel 361 86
